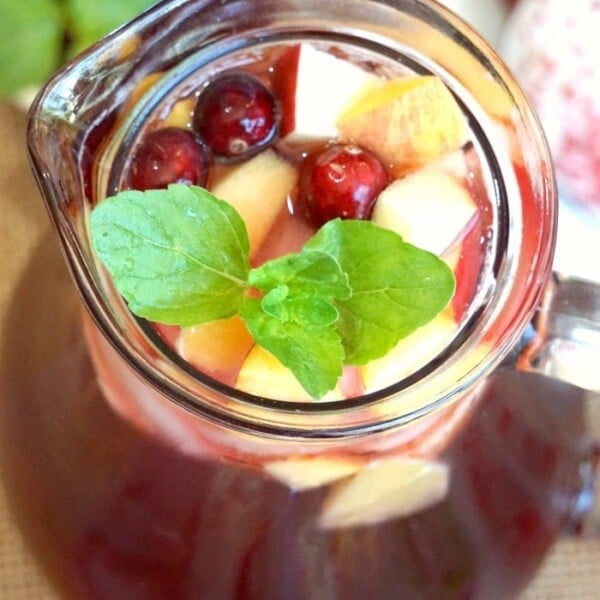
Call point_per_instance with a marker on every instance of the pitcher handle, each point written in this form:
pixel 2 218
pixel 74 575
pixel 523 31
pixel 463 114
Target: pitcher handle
pixel 563 342
pixel 564 339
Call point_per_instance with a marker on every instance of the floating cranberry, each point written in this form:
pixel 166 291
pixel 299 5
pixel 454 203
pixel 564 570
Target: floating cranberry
pixel 169 155
pixel 236 116
pixel 343 181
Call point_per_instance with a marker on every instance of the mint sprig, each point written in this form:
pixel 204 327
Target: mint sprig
pixel 396 287
pixel 314 354
pixel 181 256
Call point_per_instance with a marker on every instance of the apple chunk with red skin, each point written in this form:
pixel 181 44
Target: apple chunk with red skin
pixel 314 88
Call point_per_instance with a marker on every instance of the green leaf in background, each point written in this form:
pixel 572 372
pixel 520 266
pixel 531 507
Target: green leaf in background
pixel 37 36
pixel 89 20
pixel 178 256
pixel 31 37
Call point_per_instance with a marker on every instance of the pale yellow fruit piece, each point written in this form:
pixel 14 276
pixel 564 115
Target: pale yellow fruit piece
pixel 180 114
pixel 216 347
pixel 428 208
pixel 258 189
pixel 388 489
pixel 262 374
pixel 452 56
pixel 303 473
pixel 410 353
pixel 408 122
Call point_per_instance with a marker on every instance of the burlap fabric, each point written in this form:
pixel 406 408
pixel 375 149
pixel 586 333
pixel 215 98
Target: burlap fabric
pixel 572 572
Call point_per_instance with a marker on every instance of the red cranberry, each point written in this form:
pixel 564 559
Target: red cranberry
pixel 343 181
pixel 235 115
pixel 168 156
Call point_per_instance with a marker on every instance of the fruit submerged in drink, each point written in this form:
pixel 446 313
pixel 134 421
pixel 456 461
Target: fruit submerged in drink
pixel 323 167
pixel 300 135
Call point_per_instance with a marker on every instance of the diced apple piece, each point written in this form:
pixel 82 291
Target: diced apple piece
pixel 308 472
pixel 465 65
pixel 428 208
pixel 262 374
pixel 218 348
pixel 409 354
pixel 388 489
pixel 314 88
pixel 258 189
pixel 408 122
pixel 181 114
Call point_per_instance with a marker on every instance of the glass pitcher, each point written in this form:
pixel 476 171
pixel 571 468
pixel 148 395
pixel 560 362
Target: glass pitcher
pixel 452 482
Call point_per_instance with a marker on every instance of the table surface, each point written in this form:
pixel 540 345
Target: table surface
pixel 571 571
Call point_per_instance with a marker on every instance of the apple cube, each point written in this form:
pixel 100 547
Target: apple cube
pixel 258 189
pixel 428 208
pixel 304 473
pixel 181 114
pixel 314 88
pixel 217 348
pixel 408 122
pixel 388 489
pixel 262 374
pixel 410 353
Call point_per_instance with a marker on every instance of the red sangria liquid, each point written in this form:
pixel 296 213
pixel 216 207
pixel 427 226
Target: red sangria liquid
pixel 133 497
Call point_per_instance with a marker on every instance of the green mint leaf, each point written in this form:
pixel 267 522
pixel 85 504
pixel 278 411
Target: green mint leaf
pixel 311 311
pixel 276 303
pixel 305 273
pixel 396 287
pixel 30 43
pixel 302 287
pixel 178 256
pixel 314 355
